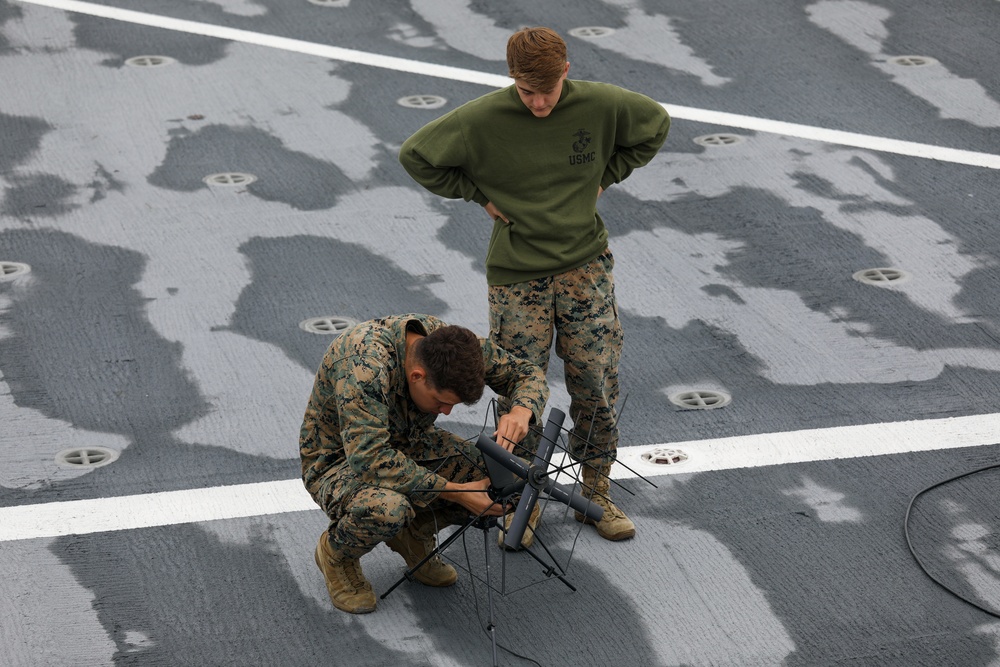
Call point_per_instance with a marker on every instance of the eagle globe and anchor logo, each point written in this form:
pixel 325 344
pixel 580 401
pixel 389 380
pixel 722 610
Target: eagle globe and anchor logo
pixel 580 156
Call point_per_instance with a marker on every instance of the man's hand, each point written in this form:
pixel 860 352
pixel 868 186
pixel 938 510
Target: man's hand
pixel 512 427
pixel 494 212
pixel 473 497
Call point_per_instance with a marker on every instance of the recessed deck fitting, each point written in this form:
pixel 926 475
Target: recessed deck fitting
pixel 664 456
pixel 700 399
pixel 86 457
pixel 422 101
pixel 332 324
pixel 591 32
pixel 912 61
pixel 230 179
pixel 11 270
pixel 720 139
pixel 883 277
pixel 150 61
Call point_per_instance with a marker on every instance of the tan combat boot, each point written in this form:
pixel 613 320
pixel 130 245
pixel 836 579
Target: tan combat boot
pixel 529 532
pixel 345 582
pixel 413 549
pixel 614 525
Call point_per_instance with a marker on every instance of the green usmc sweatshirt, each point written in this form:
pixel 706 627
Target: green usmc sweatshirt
pixel 542 173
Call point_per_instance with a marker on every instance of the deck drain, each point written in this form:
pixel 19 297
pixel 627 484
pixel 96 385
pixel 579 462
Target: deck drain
pixel 422 102
pixel 665 456
pixel 86 457
pixel 719 139
pixel 149 61
pixel 330 3
pixel 230 179
pixel 912 61
pixel 881 276
pixel 700 399
pixel 11 270
pixel 327 325
pixel 591 32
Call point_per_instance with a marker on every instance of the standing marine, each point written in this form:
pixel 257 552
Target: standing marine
pixel 536 156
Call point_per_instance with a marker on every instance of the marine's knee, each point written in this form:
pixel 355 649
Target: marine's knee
pixel 379 513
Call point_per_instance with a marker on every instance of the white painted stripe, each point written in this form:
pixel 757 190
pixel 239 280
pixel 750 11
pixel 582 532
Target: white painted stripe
pixel 282 43
pixel 838 137
pixel 844 442
pixel 168 508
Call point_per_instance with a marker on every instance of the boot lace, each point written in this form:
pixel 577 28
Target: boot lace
pixel 609 508
pixel 352 570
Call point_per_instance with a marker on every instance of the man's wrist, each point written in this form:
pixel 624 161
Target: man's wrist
pixel 525 411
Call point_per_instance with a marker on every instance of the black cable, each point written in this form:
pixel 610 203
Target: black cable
pixel 479 617
pixel 906 534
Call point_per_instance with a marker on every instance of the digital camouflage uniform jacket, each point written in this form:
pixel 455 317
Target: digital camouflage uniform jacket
pixel 360 409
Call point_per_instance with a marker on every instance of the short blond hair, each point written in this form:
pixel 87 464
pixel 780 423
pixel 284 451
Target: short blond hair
pixel 537 56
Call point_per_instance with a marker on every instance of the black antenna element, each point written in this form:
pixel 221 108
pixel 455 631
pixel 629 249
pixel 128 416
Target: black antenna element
pixel 509 476
pixel 536 479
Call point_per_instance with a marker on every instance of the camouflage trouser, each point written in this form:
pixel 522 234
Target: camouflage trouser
pixel 579 306
pixel 362 515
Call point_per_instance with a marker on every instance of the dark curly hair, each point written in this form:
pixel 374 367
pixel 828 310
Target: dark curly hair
pixel 453 359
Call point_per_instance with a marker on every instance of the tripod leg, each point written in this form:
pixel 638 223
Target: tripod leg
pixel 491 626
pixel 551 570
pixel 441 547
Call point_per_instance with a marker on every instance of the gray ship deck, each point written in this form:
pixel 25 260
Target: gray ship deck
pixel 153 318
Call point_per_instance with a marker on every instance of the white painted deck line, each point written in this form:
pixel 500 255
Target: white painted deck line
pixel 164 508
pixel 842 442
pixel 880 144
pixel 838 137
pixel 167 508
